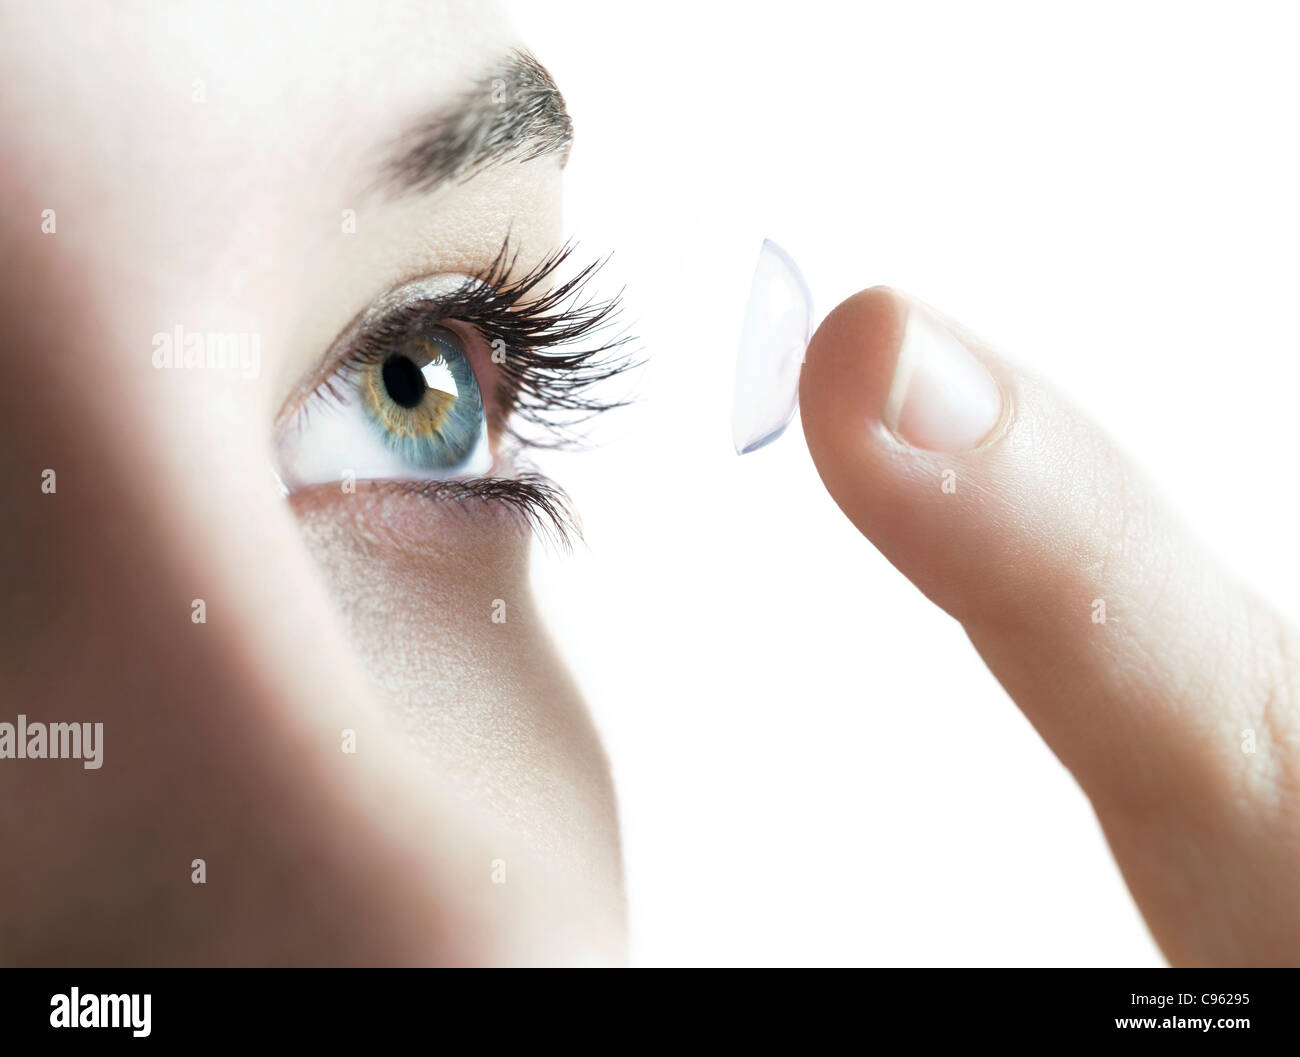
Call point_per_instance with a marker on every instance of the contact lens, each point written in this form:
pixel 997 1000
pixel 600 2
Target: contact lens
pixel 778 324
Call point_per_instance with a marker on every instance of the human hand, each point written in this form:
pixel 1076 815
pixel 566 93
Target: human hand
pixel 1167 689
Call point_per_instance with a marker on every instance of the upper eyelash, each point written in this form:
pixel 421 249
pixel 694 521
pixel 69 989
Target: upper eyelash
pixel 535 384
pixel 538 383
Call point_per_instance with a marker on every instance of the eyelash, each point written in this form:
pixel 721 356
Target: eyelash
pixel 538 384
pixel 533 498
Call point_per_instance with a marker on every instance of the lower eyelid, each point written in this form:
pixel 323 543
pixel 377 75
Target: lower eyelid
pixel 531 500
pixel 424 515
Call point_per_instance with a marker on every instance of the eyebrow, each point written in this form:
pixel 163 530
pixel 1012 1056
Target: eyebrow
pixel 515 114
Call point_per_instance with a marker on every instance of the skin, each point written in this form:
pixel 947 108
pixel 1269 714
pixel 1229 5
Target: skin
pixel 1147 709
pixel 368 612
pixel 371 612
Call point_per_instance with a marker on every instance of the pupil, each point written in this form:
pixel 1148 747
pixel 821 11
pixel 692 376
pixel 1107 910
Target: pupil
pixel 404 382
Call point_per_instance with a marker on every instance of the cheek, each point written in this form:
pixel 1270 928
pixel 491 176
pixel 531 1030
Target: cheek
pixel 436 604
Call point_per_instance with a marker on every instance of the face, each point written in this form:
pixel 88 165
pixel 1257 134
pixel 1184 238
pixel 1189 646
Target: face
pixel 254 251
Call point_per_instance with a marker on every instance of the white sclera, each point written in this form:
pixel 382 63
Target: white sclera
pixel 778 324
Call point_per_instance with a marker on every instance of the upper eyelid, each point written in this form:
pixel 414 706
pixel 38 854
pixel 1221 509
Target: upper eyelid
pixel 440 290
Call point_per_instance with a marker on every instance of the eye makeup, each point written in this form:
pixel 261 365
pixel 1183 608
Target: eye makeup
pixel 440 387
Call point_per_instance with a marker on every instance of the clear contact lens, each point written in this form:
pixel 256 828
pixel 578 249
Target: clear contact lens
pixel 778 324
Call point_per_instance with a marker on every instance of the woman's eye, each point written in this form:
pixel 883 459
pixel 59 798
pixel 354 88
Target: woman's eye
pixel 411 410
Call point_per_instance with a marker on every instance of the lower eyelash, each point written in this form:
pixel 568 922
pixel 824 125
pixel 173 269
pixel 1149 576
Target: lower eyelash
pixel 534 500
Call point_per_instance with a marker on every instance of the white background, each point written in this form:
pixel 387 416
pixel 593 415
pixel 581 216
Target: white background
pixel 813 765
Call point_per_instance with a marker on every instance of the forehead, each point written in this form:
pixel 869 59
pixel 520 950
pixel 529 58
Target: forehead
pixel 241 94
pixel 204 160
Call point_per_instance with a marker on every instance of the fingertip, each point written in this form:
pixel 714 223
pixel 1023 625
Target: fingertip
pixel 847 372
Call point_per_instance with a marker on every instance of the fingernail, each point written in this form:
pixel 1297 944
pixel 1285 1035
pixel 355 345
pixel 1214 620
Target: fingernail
pixel 942 398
